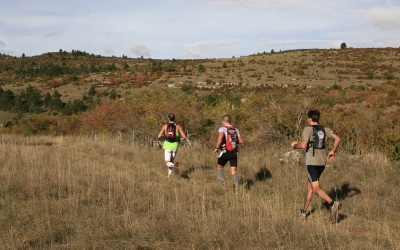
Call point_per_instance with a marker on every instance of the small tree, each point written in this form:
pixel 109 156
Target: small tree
pixel 113 94
pixel 56 102
pixel 92 91
pixel 343 46
pixel 46 99
pixel 201 68
pixel 6 99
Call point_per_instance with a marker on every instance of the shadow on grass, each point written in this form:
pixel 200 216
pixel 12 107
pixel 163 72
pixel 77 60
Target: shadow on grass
pixel 262 175
pixel 185 174
pixel 207 167
pixel 340 194
pixel 341 217
pixel 311 212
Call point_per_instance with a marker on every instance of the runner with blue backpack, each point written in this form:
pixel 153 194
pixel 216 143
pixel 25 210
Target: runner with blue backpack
pixel 227 144
pixel 173 134
pixel 314 142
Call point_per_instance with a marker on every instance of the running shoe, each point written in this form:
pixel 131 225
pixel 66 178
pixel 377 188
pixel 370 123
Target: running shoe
pixel 302 213
pixel 176 168
pixel 335 211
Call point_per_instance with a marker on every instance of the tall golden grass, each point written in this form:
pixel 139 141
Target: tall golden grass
pixel 77 193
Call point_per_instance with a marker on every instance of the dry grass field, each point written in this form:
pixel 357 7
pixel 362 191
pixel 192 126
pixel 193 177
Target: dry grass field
pixel 6 116
pixel 80 193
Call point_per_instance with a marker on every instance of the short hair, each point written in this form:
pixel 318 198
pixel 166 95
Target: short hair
pixel 314 114
pixel 226 118
pixel 171 117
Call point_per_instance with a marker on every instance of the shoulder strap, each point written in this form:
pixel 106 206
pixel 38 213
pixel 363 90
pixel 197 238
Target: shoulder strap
pixel 310 143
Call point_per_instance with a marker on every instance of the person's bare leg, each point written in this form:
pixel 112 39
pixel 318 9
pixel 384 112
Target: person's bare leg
pixel 308 198
pixel 321 193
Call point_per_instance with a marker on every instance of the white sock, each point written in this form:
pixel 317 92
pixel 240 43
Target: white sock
pixel 221 175
pixel 235 180
pixel 169 172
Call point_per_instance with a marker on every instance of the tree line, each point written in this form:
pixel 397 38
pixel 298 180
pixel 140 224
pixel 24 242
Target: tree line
pixel 52 69
pixel 31 100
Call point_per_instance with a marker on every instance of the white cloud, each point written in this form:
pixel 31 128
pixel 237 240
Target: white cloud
pixel 140 50
pixel 384 17
pixel 210 49
pixel 261 5
pixel 9 52
pixel 51 34
pixel 374 42
pixel 2 43
pixel 299 44
pixel 293 42
pixel 119 33
pixel 108 51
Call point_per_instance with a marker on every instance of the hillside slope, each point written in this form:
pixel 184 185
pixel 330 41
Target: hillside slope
pixel 73 73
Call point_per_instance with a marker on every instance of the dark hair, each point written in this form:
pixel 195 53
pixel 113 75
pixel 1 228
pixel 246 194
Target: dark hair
pixel 171 117
pixel 314 114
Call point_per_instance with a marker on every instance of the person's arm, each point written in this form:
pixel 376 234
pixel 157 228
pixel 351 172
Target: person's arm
pixel 240 139
pixel 304 142
pixel 163 128
pixel 296 145
pixel 336 143
pixel 180 131
pixel 219 141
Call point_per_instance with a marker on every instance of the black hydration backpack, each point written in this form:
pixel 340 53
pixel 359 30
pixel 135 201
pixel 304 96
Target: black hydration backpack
pixel 319 138
pixel 170 133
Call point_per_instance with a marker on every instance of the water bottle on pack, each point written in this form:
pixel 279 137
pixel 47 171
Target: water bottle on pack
pixel 224 148
pixel 233 143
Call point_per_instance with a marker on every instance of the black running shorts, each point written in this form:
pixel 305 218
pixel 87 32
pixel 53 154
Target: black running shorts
pixel 228 156
pixel 314 172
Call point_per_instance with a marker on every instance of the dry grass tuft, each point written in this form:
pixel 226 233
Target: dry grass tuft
pixel 76 193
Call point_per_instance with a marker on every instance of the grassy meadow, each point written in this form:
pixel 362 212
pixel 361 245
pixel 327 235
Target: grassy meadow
pixel 78 193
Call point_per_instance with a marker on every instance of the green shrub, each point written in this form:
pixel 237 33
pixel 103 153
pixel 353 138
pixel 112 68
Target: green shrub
pixel 335 86
pixel 360 87
pixel 389 77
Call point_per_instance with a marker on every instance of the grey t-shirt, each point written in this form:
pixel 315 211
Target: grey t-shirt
pixel 319 157
pixel 224 129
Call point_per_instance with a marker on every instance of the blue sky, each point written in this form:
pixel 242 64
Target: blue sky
pixel 194 29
